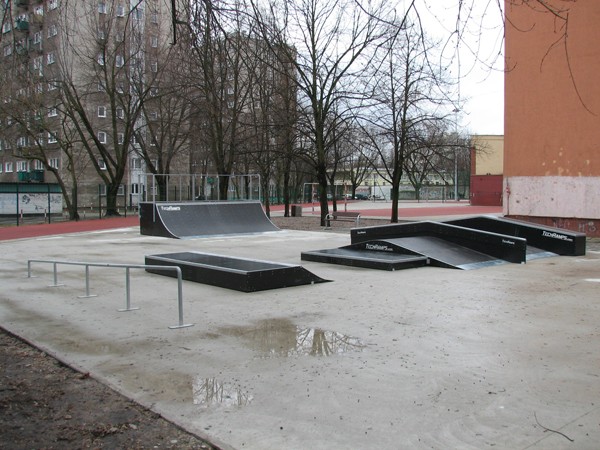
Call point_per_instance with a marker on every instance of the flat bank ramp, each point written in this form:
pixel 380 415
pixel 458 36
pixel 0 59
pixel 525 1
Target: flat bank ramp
pixel 198 219
pixel 442 253
pixel 241 274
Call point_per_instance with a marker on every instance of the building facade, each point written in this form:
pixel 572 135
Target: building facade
pixel 79 94
pixel 487 166
pixel 552 105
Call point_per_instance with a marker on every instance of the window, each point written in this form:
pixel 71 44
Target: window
pixel 52 112
pixel 101 88
pixel 136 163
pixel 50 58
pixel 101 35
pixel 120 112
pixel 8 167
pixel 52 4
pixel 120 61
pixel 154 67
pixel 52 30
pixel 101 111
pixel 154 17
pixel 21 142
pixel 102 137
pixel 154 41
pixel 101 164
pixel 120 11
pixel 137 13
pixel 120 138
pixel 100 59
pixel 39 88
pixel 153 91
pixel 39 10
pixel 8 50
pixel 52 85
pixel 54 163
pixel 120 88
pixel 102 7
pixel 22 166
pixel 135 188
pixel 37 37
pixel 6 27
pixel 52 138
pixel 37 165
pixel 153 115
pixel 1 165
pixel 37 64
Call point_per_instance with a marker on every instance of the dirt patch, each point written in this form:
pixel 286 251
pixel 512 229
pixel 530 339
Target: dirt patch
pixel 47 405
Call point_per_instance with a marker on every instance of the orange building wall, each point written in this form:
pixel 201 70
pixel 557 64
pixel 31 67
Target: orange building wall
pixel 552 114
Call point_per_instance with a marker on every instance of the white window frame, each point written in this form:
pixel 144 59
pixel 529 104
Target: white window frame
pixel 100 59
pixel 8 167
pixel 38 165
pixel 52 30
pixel 52 4
pixel 50 58
pixel 119 61
pixel 120 138
pixel 54 163
pixel 8 50
pixel 101 7
pixel 101 164
pixel 120 10
pixel 101 111
pixel 37 37
pixel 120 112
pixel 52 138
pixel 22 166
pixel 102 137
pixel 154 41
pixel 52 112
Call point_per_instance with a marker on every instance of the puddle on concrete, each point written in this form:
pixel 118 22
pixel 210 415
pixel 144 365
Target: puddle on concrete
pixel 281 337
pixel 207 392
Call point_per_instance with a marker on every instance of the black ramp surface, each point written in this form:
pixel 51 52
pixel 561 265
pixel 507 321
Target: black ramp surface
pixel 196 219
pixel 364 258
pixel 241 274
pixel 540 238
pixel 443 253
pixel 499 246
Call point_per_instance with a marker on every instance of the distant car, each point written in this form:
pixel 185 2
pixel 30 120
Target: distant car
pixel 376 197
pixel 361 197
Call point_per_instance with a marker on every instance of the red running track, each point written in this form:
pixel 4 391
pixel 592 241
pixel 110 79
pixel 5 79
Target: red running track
pixel 47 229
pixel 58 228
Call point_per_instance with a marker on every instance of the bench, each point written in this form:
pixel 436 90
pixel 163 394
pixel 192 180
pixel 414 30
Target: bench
pixel 342 216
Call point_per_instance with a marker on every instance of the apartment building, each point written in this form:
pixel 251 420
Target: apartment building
pixel 79 93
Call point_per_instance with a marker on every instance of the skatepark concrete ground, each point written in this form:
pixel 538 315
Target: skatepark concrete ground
pixel 505 356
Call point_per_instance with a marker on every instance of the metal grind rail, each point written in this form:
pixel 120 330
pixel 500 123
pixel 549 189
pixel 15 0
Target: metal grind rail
pixel 127 268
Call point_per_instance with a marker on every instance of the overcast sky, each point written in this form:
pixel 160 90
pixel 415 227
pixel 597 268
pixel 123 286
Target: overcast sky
pixel 481 87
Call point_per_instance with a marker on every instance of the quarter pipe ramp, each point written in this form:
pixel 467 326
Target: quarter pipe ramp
pixel 197 219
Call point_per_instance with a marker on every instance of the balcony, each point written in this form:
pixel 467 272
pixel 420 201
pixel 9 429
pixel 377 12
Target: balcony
pixel 33 176
pixel 22 25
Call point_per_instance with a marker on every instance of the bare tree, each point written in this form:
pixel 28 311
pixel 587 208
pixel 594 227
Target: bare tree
pixel 105 82
pixel 408 92
pixel 217 40
pixel 327 43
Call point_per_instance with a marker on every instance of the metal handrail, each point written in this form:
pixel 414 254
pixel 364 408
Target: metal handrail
pixel 127 267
